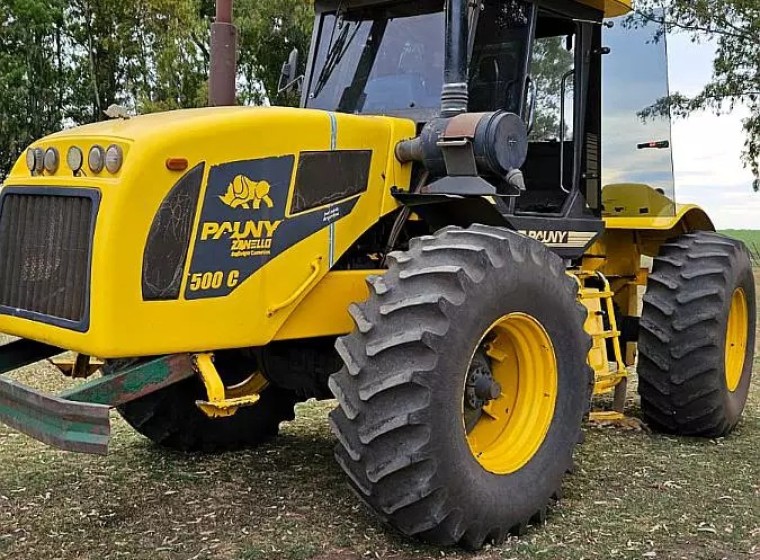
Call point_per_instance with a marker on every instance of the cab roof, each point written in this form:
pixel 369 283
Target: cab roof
pixel 611 8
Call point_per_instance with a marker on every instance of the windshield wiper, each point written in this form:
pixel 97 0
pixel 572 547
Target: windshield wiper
pixel 335 55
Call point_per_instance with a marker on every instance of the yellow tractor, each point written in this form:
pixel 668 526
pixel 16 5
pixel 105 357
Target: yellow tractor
pixel 427 239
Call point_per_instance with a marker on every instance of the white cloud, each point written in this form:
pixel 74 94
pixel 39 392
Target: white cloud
pixel 707 148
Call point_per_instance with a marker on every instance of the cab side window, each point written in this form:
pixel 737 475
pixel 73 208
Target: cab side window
pixel 497 72
pixel 549 168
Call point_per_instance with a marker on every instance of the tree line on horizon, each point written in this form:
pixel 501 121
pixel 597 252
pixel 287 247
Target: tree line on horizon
pixel 63 62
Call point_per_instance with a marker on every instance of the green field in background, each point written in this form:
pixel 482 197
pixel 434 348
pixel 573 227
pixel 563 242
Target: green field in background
pixel 749 236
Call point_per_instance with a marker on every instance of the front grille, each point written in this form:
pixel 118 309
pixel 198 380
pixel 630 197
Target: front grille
pixel 45 255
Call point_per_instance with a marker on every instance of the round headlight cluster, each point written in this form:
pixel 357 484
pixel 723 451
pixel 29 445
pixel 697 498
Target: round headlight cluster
pixel 35 160
pixel 75 159
pixel 51 160
pixel 97 159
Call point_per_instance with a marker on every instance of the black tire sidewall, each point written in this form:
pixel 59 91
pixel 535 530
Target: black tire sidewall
pixel 682 341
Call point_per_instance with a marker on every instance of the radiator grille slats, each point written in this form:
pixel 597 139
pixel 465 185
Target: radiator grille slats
pixel 45 255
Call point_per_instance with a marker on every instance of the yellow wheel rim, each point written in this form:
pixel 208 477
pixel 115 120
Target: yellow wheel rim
pixel 512 426
pixel 736 339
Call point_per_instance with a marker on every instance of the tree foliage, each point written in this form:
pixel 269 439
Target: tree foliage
pixel 32 70
pixel 734 26
pixel 269 30
pixel 63 62
pixel 549 69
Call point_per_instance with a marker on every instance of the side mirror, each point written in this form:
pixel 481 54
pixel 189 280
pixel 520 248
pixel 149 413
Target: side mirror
pixel 289 78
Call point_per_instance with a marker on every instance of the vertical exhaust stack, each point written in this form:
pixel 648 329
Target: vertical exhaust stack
pixel 459 148
pixel 455 96
pixel 221 87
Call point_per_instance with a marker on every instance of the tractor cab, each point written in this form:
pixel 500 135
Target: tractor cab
pixel 541 61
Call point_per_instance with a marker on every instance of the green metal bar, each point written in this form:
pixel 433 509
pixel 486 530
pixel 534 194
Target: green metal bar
pixel 20 353
pixel 78 427
pixel 78 419
pixel 133 382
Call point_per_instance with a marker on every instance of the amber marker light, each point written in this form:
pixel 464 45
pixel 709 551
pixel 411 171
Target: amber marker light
pixel 176 164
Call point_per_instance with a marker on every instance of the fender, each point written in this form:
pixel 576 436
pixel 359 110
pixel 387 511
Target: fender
pixel 652 231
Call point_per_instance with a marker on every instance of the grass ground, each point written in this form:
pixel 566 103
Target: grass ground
pixel 633 495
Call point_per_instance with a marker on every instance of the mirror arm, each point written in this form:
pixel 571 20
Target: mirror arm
pixel 298 83
pixel 530 120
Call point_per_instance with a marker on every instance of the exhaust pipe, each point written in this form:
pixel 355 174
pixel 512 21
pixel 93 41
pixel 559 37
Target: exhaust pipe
pixel 221 87
pixel 455 96
pixel 464 146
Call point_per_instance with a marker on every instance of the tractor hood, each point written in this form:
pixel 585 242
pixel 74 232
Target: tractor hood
pixel 206 234
pixel 180 130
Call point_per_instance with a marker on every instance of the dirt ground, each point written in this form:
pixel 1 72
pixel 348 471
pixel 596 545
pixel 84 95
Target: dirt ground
pixel 633 495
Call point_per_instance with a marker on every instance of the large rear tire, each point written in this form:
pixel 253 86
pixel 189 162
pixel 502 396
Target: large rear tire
pixel 427 450
pixel 171 419
pixel 697 336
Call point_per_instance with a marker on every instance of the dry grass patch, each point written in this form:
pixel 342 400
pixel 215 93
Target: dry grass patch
pixel 633 495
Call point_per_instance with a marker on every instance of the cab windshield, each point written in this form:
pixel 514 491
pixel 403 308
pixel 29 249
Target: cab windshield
pixel 386 60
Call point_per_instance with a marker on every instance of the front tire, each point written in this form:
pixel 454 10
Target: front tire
pixel 697 336
pixel 406 436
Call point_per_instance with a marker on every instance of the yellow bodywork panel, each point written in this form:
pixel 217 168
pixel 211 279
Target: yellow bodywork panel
pixel 639 207
pixel 636 201
pixel 687 217
pixel 648 233
pixel 328 301
pixel 617 253
pixel 259 243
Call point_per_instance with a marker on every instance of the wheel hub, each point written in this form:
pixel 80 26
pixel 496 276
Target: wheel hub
pixel 481 387
pixel 509 393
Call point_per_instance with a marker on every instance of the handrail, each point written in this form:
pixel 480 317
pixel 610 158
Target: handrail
pixel 315 267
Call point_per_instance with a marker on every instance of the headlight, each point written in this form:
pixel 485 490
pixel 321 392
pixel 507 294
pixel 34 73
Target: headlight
pixel 34 159
pixel 96 159
pixel 114 158
pixel 75 159
pixel 51 160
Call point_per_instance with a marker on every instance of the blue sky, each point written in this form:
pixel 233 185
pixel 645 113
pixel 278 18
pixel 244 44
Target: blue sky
pixel 707 148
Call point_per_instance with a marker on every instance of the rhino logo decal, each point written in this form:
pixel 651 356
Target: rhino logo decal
pixel 246 193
